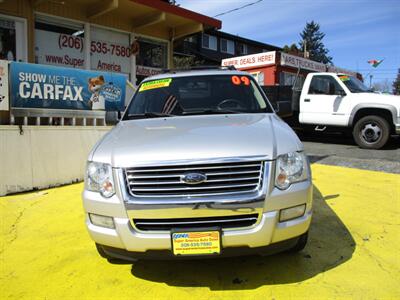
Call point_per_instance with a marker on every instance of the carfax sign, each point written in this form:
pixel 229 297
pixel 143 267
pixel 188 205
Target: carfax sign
pixel 39 86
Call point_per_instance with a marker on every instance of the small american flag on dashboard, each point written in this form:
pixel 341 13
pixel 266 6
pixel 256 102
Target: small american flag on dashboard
pixel 170 104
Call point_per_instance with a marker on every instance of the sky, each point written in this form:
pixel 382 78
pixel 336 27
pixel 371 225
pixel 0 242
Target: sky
pixel 355 30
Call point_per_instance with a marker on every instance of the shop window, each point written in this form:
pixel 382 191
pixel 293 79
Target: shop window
pixel 59 42
pixel 191 39
pixel 227 46
pixel 290 79
pixel 110 50
pixel 13 39
pixel 152 54
pixel 242 49
pixel 259 77
pixel 209 42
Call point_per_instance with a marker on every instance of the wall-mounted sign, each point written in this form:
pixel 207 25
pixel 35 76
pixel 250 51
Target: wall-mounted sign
pixel 110 50
pixel 251 61
pixel 147 71
pixel 39 86
pixel 52 48
pixel 4 104
pixel 303 63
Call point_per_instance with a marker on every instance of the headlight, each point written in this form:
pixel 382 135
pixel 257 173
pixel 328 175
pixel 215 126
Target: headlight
pixel 99 179
pixel 291 167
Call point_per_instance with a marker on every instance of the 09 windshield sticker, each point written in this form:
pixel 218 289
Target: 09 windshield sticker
pixel 236 80
pixel 344 78
pixel 155 84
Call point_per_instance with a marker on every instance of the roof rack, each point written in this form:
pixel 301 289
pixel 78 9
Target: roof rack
pixel 197 68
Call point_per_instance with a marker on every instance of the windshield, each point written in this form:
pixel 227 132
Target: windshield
pixel 197 95
pixel 353 84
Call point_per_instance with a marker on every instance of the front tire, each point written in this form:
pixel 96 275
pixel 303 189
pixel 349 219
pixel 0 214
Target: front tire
pixel 301 243
pixel 101 252
pixel 371 132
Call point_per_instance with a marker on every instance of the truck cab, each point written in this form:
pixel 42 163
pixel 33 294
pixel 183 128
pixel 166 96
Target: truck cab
pixel 340 100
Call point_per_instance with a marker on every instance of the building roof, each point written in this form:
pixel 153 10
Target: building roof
pixel 243 40
pixel 153 18
pixel 182 12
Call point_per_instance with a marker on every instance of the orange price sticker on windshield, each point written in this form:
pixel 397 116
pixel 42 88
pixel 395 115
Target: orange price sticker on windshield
pixel 236 80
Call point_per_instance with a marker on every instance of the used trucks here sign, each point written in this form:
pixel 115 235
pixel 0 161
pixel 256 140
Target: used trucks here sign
pixel 38 86
pixel 302 63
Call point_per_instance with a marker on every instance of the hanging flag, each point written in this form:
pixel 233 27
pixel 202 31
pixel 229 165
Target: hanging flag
pixel 375 62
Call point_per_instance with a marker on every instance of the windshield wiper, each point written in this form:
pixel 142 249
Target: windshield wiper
pixel 211 112
pixel 362 91
pixel 148 115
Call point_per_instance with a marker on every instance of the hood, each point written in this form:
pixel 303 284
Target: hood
pixel 195 138
pixel 380 98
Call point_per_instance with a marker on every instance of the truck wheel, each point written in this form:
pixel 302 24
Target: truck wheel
pixel 301 243
pixel 371 132
pixel 112 259
pixel 101 252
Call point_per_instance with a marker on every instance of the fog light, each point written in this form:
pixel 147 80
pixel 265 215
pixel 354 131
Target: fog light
pixel 292 213
pixel 102 221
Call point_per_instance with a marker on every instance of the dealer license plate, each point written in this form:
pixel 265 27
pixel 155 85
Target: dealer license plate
pixel 196 243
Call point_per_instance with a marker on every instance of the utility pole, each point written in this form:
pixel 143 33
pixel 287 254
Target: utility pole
pixel 370 81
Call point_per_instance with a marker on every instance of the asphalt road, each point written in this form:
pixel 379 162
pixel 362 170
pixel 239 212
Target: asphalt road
pixel 340 150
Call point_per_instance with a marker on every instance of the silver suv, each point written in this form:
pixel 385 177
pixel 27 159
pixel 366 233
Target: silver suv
pixel 198 165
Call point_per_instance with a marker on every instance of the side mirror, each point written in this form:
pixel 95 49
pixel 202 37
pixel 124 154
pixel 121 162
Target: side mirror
pixel 341 92
pixel 112 117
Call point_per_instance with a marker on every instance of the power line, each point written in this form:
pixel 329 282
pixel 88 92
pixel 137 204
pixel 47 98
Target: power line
pixel 238 8
pixel 383 69
pixel 378 72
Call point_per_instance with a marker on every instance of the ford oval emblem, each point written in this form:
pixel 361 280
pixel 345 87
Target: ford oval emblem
pixel 193 178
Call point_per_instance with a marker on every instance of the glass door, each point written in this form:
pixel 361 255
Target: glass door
pixel 13 39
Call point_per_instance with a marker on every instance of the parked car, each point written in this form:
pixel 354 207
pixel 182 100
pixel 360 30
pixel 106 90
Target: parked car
pixel 199 165
pixel 342 103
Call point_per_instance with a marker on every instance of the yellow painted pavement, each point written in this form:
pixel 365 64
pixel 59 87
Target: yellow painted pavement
pixel 353 252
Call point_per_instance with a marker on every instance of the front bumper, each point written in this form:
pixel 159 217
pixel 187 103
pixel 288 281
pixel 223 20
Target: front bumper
pixel 125 255
pixel 268 230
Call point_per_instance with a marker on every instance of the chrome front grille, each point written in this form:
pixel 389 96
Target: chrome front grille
pixel 239 221
pixel 221 179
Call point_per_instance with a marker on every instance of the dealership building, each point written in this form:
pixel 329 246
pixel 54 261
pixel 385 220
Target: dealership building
pixel 51 52
pixel 64 63
pixel 132 37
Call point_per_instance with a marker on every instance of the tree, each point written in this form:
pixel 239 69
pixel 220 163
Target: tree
pixel 396 84
pixel 312 37
pixel 292 49
pixel 382 86
pixel 172 2
pixel 186 62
